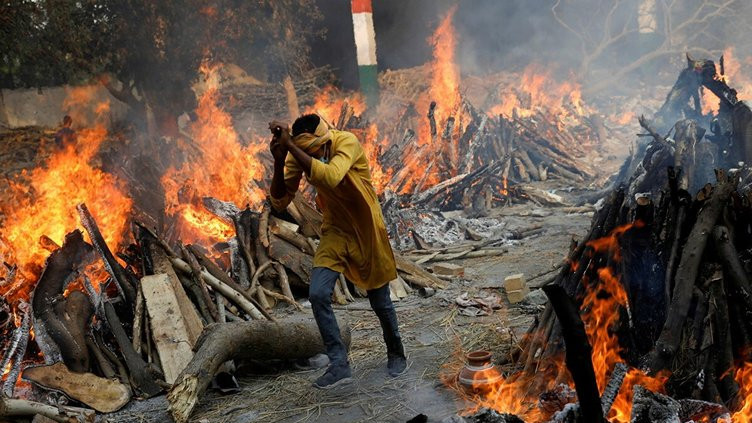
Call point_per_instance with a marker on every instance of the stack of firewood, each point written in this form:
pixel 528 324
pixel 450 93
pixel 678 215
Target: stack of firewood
pixel 495 156
pixel 685 263
pixel 166 315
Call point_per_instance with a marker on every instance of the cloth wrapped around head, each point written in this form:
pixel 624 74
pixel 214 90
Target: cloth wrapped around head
pixel 310 143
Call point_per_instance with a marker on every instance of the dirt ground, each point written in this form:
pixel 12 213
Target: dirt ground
pixel 434 334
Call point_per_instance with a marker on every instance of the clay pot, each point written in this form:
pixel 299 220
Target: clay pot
pixel 479 374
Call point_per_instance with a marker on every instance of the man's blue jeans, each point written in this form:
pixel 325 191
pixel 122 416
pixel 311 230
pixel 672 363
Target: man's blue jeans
pixel 320 296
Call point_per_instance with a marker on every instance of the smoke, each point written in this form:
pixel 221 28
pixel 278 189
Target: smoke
pixel 607 45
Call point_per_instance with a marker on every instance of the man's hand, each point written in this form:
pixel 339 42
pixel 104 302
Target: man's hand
pixel 281 140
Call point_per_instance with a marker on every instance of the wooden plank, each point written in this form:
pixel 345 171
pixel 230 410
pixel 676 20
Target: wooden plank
pixel 416 275
pixel 103 395
pixel 163 265
pixel 170 329
pixel 397 289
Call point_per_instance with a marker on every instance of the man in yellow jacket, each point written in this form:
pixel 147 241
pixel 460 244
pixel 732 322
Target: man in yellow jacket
pixel 354 239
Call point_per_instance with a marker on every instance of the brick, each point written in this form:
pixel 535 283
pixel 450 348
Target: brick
pixel 516 296
pixel 514 282
pixel 448 269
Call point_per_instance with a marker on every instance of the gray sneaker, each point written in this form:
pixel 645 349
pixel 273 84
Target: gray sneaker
pixel 335 375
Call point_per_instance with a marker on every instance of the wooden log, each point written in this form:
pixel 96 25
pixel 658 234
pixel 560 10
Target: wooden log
pixel 578 353
pixel 295 260
pixel 143 382
pixel 52 335
pixel 172 336
pixel 262 257
pixel 232 291
pixel 343 284
pixel 310 219
pixel 103 395
pixel 15 352
pixel 197 287
pixel 529 165
pixel 263 229
pixel 432 119
pixel 675 232
pixel 121 278
pixel 257 340
pixel 338 297
pixel 292 237
pixel 416 275
pixel 559 169
pixel 686 274
pixel 138 320
pixel 521 170
pixel 217 274
pixel 103 363
pixel 15 408
pixel 466 254
pixel 75 313
pixel 722 340
pixel 397 288
pixel 242 222
pixel 732 268
pixel 284 285
pixel 122 372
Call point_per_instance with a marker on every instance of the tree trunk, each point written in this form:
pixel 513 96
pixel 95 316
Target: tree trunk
pixel 242 340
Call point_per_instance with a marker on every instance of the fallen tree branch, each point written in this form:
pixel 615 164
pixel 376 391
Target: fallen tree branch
pixel 232 292
pixel 242 340
pixel 63 414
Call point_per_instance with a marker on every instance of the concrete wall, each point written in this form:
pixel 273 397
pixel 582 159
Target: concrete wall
pixel 46 106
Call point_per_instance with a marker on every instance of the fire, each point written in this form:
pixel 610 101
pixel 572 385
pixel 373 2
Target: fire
pixel 444 90
pixel 625 118
pixel 602 304
pixel 221 168
pixel 538 90
pixel 743 377
pixel 42 203
pixel 604 298
pixel 371 144
pixel 504 187
pixel 734 76
pixel 329 101
pixel 710 103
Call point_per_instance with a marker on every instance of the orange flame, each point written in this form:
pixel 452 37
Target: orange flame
pixel 734 77
pixel 518 393
pixel 537 90
pixel 221 168
pixel 444 89
pixel 43 202
pixel 504 187
pixel 743 376
pixel 329 101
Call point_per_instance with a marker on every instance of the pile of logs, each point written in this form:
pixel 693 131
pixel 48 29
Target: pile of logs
pixel 166 316
pixel 493 156
pixel 489 159
pixel 685 265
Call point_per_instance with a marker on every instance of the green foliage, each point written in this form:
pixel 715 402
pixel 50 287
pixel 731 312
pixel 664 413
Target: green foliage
pixel 51 42
pixel 154 46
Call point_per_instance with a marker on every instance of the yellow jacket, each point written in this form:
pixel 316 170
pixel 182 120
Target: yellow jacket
pixel 354 239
